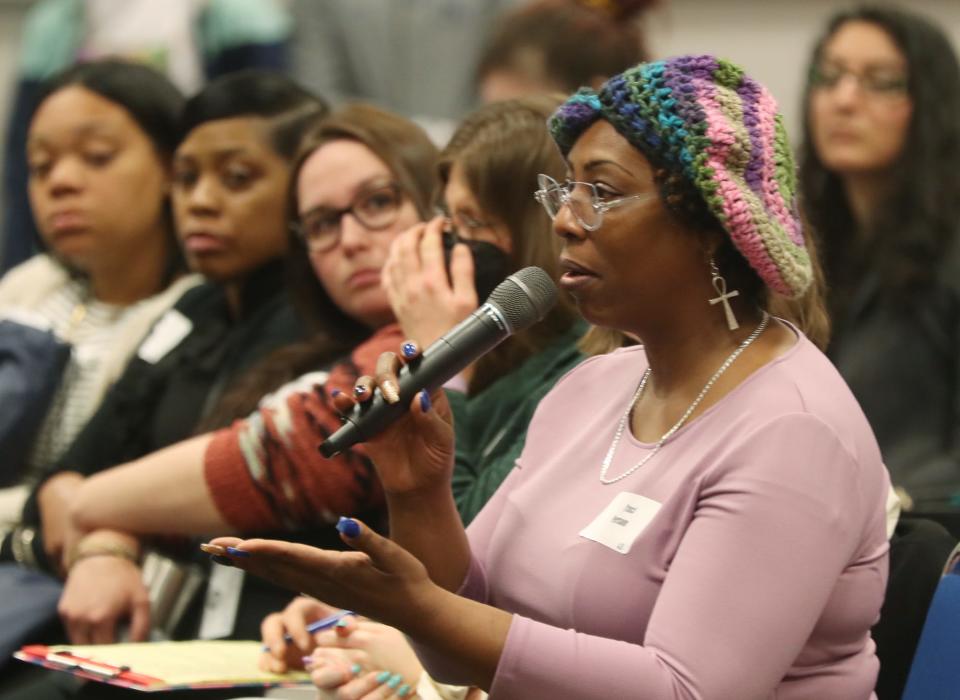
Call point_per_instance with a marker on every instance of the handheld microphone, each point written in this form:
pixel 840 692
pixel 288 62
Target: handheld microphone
pixel 517 303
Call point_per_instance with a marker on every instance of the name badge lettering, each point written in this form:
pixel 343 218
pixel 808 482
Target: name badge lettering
pixel 621 523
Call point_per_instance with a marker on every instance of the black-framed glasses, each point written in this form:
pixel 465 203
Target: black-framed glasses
pixel 375 208
pixel 874 80
pixel 585 202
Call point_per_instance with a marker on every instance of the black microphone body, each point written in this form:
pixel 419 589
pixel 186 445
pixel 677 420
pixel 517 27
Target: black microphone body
pixel 476 335
pixel 518 302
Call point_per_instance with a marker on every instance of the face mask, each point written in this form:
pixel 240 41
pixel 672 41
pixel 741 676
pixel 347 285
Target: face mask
pixel 491 264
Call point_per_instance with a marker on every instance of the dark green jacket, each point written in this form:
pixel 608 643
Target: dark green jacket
pixel 491 426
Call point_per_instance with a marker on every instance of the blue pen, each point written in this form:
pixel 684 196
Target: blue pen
pixel 317 625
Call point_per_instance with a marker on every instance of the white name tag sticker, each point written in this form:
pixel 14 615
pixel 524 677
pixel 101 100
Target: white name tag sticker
pixel 620 523
pixel 165 336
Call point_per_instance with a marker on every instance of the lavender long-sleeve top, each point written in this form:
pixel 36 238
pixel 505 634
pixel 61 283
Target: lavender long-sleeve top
pixel 747 559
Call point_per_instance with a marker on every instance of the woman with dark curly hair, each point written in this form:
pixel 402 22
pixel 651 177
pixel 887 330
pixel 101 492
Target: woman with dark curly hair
pixel 879 184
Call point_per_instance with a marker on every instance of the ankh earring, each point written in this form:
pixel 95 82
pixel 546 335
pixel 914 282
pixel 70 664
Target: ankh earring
pixel 720 284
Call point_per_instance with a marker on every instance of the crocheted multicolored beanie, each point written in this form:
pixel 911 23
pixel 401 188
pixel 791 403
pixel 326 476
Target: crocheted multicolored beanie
pixel 720 129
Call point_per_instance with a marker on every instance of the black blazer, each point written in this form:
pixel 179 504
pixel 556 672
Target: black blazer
pixel 901 357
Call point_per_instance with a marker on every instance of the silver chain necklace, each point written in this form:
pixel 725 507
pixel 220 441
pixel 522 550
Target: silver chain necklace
pixel 608 460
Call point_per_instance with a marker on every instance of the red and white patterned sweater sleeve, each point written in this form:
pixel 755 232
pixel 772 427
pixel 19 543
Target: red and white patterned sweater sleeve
pixel 265 473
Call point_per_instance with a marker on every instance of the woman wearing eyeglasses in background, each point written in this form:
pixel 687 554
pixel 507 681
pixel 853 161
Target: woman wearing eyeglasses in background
pixel 878 179
pixel 879 183
pixel 701 516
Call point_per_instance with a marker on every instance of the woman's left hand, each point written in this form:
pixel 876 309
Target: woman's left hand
pixel 426 301
pixel 381 579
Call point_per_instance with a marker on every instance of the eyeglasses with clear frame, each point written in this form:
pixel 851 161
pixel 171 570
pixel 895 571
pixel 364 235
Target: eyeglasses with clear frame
pixel 881 81
pixel 465 226
pixel 376 208
pixel 585 202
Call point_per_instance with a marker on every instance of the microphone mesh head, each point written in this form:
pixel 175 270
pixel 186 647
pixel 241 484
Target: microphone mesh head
pixel 524 297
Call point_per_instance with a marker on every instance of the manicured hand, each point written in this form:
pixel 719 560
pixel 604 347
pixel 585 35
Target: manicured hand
pixel 380 579
pixel 352 683
pixel 415 454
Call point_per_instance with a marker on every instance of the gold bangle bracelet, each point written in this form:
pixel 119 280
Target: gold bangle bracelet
pixel 104 551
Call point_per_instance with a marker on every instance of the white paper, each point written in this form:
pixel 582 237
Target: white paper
pixel 221 602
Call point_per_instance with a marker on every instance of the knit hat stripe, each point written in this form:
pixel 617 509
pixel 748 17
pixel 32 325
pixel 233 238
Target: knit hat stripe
pixel 690 112
pixel 753 122
pixel 776 195
pixel 739 205
pixel 574 117
pixel 779 194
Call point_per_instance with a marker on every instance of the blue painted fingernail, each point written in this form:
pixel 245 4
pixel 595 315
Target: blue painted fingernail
pixel 355 669
pixel 342 622
pixel 348 527
pixel 335 392
pixel 234 552
pixel 222 561
pixel 424 400
pixel 394 680
pixel 403 690
pixel 383 676
pixel 409 349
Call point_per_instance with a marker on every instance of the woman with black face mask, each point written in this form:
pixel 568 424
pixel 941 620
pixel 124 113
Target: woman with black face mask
pixel 488 173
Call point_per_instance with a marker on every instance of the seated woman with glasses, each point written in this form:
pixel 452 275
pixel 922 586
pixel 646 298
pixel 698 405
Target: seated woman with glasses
pixel 699 516
pixel 882 112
